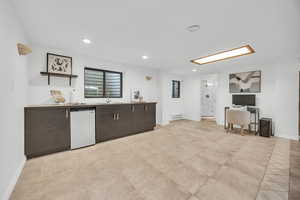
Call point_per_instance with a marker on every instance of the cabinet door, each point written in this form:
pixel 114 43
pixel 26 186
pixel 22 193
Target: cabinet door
pixel 150 116
pixel 47 130
pixel 113 122
pixel 106 128
pixel 124 120
pixel 138 118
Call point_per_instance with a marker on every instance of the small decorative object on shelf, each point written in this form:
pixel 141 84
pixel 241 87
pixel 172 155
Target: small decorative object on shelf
pixel 73 96
pixel 141 99
pixel 57 96
pixel 135 95
pixel 58 65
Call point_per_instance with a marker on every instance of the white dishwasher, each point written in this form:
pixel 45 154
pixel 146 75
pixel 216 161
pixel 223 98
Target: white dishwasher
pixel 82 127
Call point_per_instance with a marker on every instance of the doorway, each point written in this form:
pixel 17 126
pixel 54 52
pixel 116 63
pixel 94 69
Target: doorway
pixel 208 98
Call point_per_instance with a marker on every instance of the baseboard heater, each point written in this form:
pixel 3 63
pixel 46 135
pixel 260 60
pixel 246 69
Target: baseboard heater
pixel 177 117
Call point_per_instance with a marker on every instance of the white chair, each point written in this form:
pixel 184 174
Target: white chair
pixel 238 117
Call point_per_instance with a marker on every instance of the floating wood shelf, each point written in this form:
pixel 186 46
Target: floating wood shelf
pixel 70 76
pixel 56 74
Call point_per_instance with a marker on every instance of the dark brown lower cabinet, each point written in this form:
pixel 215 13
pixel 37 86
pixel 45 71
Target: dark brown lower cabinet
pixel 150 117
pixel 113 122
pixel 117 121
pixel 47 130
pixel 138 121
pixel 124 120
pixel 105 123
pixel 143 117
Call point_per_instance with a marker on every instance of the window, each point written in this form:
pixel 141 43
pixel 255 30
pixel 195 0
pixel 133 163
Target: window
pixel 102 84
pixel 175 89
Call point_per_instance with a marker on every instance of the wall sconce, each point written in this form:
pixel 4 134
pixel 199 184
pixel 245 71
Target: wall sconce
pixel 23 49
pixel 148 78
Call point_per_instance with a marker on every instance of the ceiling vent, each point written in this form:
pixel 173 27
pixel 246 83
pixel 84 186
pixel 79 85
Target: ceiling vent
pixel 193 28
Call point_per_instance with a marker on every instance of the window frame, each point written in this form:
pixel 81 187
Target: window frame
pixel 173 89
pixel 104 83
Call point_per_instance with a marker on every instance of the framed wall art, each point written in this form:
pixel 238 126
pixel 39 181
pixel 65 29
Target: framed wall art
pixel 59 64
pixel 245 82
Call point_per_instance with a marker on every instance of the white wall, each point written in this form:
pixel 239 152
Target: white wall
pixel 169 106
pixel 158 89
pixel 13 81
pixel 133 78
pixel 192 97
pixel 278 98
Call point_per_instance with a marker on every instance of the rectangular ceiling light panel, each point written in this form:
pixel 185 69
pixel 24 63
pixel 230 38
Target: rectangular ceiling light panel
pixel 233 53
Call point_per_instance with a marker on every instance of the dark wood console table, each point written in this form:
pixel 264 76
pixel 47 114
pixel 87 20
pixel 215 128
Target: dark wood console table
pixel 254 124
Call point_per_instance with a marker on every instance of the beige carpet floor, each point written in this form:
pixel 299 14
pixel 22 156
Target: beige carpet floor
pixel 185 160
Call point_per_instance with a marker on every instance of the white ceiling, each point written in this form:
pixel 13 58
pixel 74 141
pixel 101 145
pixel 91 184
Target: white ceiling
pixel 124 30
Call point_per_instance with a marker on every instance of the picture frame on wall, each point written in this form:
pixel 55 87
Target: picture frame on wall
pixel 59 64
pixel 245 82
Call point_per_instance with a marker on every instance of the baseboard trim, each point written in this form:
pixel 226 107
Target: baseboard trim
pixel 163 123
pixel 14 180
pixel 287 137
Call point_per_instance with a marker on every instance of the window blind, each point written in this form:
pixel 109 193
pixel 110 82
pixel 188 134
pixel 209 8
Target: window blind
pixel 113 84
pixel 102 84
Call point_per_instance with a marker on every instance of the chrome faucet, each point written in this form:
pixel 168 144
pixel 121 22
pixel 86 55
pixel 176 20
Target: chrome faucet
pixel 108 99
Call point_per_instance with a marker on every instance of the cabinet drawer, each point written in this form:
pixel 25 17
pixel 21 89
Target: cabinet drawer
pixel 108 109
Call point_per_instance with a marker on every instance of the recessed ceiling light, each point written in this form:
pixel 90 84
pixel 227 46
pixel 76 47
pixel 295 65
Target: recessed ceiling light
pixel 194 70
pixel 193 28
pixel 86 41
pixel 145 57
pixel 233 53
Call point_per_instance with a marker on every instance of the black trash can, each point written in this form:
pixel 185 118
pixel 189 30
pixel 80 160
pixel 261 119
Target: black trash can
pixel 265 127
